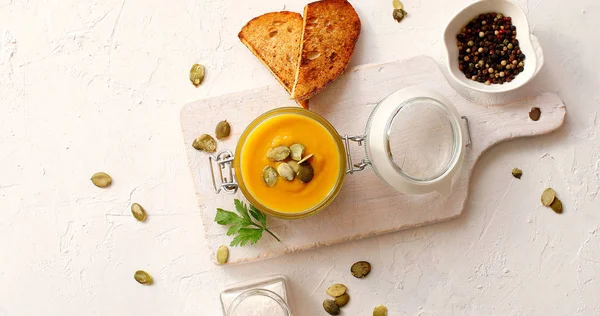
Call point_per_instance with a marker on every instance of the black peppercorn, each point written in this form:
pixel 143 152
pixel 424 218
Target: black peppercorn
pixel 489 52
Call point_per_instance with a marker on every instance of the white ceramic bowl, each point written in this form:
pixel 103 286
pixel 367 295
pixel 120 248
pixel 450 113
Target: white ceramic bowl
pixel 507 8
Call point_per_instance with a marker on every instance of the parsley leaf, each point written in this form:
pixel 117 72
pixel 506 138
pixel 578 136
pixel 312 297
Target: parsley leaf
pixel 239 224
pixel 224 217
pixel 241 208
pixel 262 218
pixel 246 235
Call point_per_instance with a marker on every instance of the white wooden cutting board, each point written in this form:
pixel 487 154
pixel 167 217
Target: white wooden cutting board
pixel 365 206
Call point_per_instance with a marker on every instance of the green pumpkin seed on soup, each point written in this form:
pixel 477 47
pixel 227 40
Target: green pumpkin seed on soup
pixel 269 176
pixel 278 153
pixel 297 150
pixel 286 171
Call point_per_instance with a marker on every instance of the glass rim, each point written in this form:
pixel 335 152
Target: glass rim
pixel 259 292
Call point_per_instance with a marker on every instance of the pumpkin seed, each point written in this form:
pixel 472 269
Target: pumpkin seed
pixel 305 172
pixel 297 150
pixel 331 307
pixel 222 254
pixel 101 180
pixel 535 114
pixel 295 166
pixel 278 153
pixel 197 74
pixel 399 15
pixel 270 176
pixel 138 212
pixel 305 158
pixel 342 300
pixel 380 311
pixel 336 290
pixel 223 130
pixel 143 277
pixel 205 142
pixel 517 173
pixel 397 5
pixel 548 196
pixel 285 171
pixel 557 206
pixel 360 269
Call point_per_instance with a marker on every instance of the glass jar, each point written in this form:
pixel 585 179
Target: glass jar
pixel 262 297
pixel 238 161
pixel 414 141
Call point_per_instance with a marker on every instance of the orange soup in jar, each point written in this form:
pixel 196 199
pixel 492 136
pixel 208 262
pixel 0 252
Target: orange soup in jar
pixel 287 198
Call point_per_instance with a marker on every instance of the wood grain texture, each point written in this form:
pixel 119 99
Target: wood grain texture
pixel 365 207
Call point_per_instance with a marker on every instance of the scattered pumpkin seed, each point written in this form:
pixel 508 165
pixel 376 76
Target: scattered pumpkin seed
pixel 101 179
pixel 336 290
pixel 535 114
pixel 285 171
pixel 205 142
pixel 305 172
pixel 143 277
pixel 138 212
pixel 278 153
pixel 331 307
pixel 223 130
pixel 557 206
pixel 295 166
pixel 197 74
pixel 305 158
pixel 399 14
pixel 297 150
pixel 380 311
pixel 397 5
pixel 222 254
pixel 270 176
pixel 548 196
pixel 342 300
pixel 517 173
pixel 360 269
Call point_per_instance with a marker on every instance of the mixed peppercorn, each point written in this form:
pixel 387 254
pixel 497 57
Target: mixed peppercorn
pixel 489 50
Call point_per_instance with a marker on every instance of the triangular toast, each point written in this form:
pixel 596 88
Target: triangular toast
pixel 330 31
pixel 275 39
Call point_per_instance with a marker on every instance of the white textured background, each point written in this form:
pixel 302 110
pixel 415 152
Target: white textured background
pixel 90 85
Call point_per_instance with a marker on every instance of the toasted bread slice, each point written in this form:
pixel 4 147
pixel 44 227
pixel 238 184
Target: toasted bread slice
pixel 275 39
pixel 330 31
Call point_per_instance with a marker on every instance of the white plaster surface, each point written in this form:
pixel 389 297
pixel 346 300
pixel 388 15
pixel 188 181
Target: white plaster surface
pixel 98 85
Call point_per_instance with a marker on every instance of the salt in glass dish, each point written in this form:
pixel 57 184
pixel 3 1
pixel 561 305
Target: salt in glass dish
pixel 261 297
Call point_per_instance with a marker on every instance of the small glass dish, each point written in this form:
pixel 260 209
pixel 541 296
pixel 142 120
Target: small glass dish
pixel 265 296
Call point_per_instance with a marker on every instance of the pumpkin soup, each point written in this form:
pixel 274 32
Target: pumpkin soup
pixel 263 152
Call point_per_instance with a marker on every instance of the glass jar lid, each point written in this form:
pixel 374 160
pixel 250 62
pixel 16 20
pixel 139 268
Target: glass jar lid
pixel 415 141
